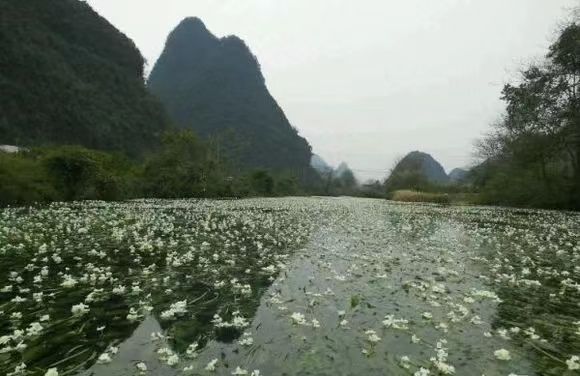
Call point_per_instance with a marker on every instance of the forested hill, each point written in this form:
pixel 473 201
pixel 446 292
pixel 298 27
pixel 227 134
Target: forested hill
pixel 416 170
pixel 423 164
pixel 67 76
pixel 215 87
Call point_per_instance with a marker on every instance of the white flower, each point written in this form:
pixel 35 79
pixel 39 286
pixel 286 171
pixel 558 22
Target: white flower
pixel 422 372
pixel 34 329
pixel 211 365
pixel 119 290
pixel 405 360
pixel 247 340
pixel 191 349
pixel 7 288
pixel 176 309
pixel 51 372
pixel 502 354
pixel 271 269
pixel 573 363
pixel 19 370
pixel 173 359
pixel 133 315
pixel 239 371
pixel 372 336
pixel 104 358
pixel 18 299
pixel 68 282
pixel 443 367
pixel 142 367
pixel 391 321
pixel 476 320
pixel 298 318
pixel 80 309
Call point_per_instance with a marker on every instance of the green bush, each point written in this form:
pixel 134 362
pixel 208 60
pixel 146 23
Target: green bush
pixel 80 174
pixel 519 186
pixel 184 167
pixel 262 183
pixel 24 180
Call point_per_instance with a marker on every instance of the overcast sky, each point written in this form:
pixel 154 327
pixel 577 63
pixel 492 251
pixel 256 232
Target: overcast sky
pixel 367 81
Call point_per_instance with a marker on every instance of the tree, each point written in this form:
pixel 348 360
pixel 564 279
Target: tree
pixel 180 169
pixel 536 145
pixel 262 183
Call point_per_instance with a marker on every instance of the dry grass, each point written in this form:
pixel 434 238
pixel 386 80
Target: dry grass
pixel 416 196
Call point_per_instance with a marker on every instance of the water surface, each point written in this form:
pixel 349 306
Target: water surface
pixel 295 286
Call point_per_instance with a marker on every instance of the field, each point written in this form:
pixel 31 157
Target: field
pixel 292 286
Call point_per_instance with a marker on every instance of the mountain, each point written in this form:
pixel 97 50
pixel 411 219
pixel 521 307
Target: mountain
pixel 320 164
pixel 416 170
pixel 458 175
pixel 67 76
pixel 215 87
pixel 342 169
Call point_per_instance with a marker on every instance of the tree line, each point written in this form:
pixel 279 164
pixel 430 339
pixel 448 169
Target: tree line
pixel 184 166
pixel 531 157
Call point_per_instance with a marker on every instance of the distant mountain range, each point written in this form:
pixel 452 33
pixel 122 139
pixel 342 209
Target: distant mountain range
pixel 67 76
pixel 215 87
pixel 324 168
pixel 320 164
pixel 458 175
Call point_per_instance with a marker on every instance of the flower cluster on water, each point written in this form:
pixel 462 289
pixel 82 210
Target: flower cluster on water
pixel 93 271
pixel 439 281
pixel 404 288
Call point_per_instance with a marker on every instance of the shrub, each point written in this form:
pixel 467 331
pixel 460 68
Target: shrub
pixel 79 173
pixel 262 183
pixel 23 180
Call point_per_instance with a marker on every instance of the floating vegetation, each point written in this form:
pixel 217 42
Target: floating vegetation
pixel 288 286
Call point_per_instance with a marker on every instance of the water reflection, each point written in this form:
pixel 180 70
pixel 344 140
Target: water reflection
pixel 138 347
pixel 384 270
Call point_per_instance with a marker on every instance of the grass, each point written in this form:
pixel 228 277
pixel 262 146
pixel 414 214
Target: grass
pixel 416 196
pixel 408 195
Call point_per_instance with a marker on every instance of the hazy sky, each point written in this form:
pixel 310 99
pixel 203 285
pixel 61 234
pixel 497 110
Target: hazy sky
pixel 367 81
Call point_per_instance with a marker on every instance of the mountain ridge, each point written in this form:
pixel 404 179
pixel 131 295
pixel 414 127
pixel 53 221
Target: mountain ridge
pixel 416 170
pixel 215 87
pixel 68 76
